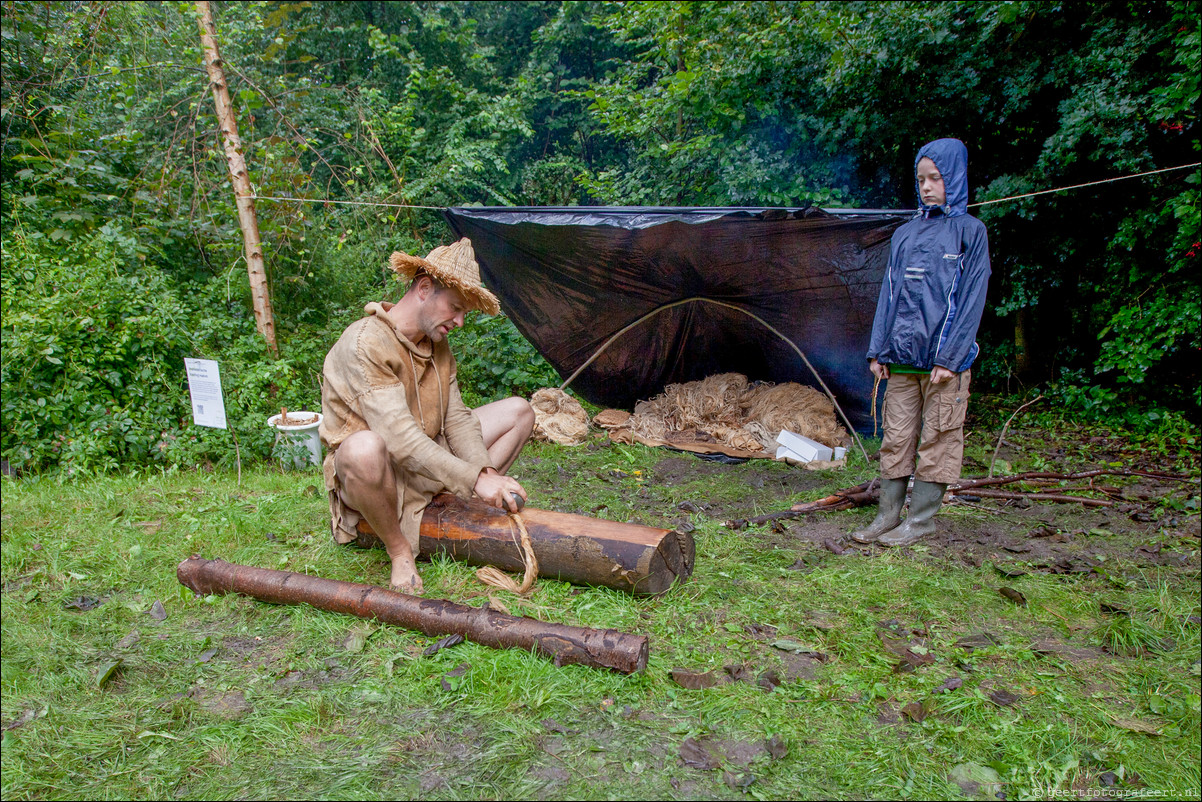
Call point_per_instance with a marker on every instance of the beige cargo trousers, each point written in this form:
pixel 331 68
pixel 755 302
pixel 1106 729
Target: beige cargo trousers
pixel 924 427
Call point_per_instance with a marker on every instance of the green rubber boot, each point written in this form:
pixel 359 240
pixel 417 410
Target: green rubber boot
pixel 888 514
pixel 925 500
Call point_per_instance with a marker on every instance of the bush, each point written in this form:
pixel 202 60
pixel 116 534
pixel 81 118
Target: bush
pixel 94 343
pixel 496 361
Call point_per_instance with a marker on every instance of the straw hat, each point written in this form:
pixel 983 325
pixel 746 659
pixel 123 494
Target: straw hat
pixel 452 266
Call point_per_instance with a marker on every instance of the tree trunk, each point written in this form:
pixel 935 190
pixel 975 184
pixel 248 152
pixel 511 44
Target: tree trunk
pixel 637 559
pixel 247 220
pixel 565 645
pixel 1022 347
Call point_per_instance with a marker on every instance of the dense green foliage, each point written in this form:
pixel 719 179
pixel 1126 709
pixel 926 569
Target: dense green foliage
pixel 119 222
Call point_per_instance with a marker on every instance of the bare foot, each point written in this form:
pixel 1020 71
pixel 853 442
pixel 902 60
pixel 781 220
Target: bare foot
pixel 404 578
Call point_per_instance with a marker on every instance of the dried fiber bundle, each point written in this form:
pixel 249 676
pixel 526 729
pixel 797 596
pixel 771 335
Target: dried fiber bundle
pixel 647 424
pixel 736 437
pixel 713 401
pixel 798 409
pixel 759 431
pixel 559 418
pixel 726 410
pixel 611 418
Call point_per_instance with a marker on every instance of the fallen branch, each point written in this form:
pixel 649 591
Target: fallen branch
pixel 859 496
pixel 1002 436
pixel 1061 477
pixel 1088 502
pixel 868 493
pixel 564 644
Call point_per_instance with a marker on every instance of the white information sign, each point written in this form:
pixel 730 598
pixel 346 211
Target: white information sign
pixel 204 383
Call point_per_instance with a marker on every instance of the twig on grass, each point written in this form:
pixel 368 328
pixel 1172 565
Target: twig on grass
pixel 1058 615
pixel 1002 436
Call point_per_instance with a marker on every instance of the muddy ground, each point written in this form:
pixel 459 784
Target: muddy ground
pixel 1152 522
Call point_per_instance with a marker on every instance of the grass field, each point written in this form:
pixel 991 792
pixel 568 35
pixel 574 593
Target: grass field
pixel 866 674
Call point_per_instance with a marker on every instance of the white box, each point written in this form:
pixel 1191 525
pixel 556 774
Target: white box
pixel 805 449
pixel 784 453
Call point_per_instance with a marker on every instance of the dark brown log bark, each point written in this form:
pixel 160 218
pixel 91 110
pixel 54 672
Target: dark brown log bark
pixel 637 559
pixel 564 644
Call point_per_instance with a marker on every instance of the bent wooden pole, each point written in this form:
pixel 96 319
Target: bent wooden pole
pixel 564 644
pixel 637 559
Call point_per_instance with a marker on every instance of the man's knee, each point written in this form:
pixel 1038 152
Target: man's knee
pixel 523 415
pixel 363 459
pixel 506 415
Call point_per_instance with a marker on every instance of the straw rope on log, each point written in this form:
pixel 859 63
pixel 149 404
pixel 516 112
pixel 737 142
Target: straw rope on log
pixel 491 575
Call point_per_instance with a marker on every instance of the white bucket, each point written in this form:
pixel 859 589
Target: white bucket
pixel 304 434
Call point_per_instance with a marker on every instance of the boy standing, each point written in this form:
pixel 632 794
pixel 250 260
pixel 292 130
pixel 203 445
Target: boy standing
pixel 923 343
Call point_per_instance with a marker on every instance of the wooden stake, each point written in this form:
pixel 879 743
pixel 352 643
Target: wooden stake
pixel 565 645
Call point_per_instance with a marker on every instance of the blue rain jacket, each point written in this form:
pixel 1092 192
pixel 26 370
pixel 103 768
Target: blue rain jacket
pixel 933 293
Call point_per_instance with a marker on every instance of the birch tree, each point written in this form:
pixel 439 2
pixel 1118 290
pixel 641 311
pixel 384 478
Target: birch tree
pixel 247 219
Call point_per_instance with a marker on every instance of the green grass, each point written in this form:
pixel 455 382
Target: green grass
pixel 293 704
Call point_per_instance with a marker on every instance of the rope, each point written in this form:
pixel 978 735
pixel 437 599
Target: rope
pixel 876 385
pixel 971 205
pixel 490 575
pixel 1088 184
pixel 347 203
pixel 754 317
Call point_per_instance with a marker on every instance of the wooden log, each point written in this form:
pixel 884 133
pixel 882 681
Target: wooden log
pixel 564 644
pixel 637 559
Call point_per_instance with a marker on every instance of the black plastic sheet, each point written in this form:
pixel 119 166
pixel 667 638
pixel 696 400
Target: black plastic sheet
pixel 572 277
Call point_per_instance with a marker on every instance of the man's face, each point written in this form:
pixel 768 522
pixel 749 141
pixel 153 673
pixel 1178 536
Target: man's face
pixel 442 312
pixel 930 183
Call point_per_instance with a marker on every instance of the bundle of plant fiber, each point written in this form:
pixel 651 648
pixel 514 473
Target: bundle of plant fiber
pixel 558 418
pixel 611 418
pixel 702 411
pixel 799 409
pixel 713 401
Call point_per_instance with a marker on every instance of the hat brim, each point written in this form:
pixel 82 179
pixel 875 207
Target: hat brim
pixel 406 267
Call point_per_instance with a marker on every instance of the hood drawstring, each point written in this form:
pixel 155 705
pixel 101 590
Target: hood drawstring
pixel 417 388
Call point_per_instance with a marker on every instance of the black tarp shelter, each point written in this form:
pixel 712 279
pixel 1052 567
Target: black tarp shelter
pixel 572 277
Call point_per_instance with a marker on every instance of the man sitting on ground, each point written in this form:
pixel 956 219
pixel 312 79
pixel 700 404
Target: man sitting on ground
pixel 397 430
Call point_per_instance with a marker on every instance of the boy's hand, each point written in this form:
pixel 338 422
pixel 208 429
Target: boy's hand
pixel 879 370
pixel 941 374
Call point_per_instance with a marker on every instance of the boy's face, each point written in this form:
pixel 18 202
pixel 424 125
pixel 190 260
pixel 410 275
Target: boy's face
pixel 930 183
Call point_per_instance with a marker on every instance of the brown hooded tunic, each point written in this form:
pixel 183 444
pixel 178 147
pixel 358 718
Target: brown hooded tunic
pixel 376 379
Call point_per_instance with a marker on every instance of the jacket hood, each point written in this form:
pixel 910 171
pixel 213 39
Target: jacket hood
pixel 951 157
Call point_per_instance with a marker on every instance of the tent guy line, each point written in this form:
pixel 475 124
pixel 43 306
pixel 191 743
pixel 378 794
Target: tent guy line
pixel 1088 184
pixel 971 205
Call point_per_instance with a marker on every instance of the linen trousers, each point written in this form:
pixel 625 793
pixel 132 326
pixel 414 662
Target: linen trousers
pixel 924 427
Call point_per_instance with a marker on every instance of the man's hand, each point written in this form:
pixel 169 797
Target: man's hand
pixel 494 489
pixel 879 370
pixel 941 374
